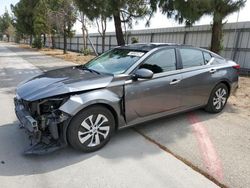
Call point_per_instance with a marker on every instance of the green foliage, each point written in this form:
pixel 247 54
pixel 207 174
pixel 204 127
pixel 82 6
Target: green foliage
pixel 134 40
pixel 37 43
pixel 6 27
pixel 86 51
pixel 37 17
pixel 123 11
pixel 190 11
pixel 40 18
pixel 24 16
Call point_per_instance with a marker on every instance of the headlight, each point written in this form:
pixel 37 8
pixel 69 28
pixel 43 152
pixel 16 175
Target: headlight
pixel 17 97
pixel 49 105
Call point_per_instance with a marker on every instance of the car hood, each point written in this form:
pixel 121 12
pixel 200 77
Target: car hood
pixel 62 81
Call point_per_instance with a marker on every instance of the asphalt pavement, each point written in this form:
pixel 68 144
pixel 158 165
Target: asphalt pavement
pixel 129 160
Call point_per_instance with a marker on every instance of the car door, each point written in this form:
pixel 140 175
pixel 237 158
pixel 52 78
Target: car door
pixel 147 97
pixel 198 79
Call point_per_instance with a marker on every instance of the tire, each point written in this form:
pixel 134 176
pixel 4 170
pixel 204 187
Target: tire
pixel 89 137
pixel 218 99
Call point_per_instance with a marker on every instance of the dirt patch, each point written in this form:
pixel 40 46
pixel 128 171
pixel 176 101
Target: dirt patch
pixel 70 56
pixel 241 98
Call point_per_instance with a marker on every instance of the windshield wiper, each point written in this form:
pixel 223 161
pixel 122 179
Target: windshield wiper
pixel 90 70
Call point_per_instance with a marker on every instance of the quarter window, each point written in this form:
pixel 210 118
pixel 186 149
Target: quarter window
pixel 191 57
pixel 161 61
pixel 207 57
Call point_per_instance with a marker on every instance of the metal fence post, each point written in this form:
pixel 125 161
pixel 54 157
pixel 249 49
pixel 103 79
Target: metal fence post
pixel 127 37
pixel 97 44
pixel 236 44
pixel 151 37
pixel 77 43
pixel 185 36
pixel 109 41
pixel 70 42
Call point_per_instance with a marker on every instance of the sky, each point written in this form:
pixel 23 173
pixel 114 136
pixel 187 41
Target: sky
pixel 158 21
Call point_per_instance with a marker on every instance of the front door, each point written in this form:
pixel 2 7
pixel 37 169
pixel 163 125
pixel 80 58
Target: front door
pixel 147 97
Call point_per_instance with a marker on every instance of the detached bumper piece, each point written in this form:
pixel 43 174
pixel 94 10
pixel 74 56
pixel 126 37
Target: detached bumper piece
pixel 40 142
pixel 43 148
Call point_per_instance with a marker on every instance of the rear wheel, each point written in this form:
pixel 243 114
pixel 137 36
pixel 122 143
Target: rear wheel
pixel 218 99
pixel 91 129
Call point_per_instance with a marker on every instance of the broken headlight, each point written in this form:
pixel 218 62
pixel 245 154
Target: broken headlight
pixel 49 105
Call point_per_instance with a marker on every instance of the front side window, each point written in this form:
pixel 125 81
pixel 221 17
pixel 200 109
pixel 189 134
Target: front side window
pixel 191 57
pixel 116 61
pixel 161 61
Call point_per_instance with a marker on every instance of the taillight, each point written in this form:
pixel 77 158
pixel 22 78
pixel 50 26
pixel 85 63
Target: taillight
pixel 237 67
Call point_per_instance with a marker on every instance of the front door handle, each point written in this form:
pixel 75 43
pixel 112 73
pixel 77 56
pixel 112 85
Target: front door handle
pixel 174 82
pixel 212 71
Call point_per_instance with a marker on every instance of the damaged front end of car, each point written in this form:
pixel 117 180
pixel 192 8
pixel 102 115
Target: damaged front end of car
pixel 43 122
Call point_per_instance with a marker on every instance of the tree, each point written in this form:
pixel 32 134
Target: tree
pixel 189 11
pixel 131 9
pixel 24 17
pixel 220 9
pixel 98 11
pixel 41 23
pixel 64 16
pixel 84 22
pixel 6 27
pixel 122 11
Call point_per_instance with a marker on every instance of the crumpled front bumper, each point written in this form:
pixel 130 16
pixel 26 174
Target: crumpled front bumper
pixel 26 120
pixel 39 143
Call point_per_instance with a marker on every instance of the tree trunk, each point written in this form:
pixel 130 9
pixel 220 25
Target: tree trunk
pixel 64 42
pixel 31 40
pixel 103 42
pixel 84 38
pixel 64 39
pixel 53 42
pixel 44 40
pixel 216 41
pixel 118 29
pixel 84 33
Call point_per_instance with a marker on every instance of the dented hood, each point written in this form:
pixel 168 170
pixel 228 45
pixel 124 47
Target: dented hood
pixel 62 81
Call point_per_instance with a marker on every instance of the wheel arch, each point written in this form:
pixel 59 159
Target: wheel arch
pixel 227 83
pixel 77 103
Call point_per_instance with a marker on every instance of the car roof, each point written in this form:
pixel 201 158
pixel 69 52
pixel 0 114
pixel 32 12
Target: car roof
pixel 148 46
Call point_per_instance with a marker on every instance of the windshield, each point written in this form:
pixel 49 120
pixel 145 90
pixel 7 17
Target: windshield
pixel 116 61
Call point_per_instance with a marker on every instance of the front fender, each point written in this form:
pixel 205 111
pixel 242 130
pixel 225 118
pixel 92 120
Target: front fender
pixel 80 101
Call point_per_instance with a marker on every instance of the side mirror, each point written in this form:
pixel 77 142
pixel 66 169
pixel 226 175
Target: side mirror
pixel 143 73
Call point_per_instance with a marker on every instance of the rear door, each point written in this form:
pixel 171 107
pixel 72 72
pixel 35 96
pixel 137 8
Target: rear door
pixel 198 79
pixel 146 97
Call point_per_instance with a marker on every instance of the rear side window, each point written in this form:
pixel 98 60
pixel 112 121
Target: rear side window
pixel 207 57
pixel 191 57
pixel 161 61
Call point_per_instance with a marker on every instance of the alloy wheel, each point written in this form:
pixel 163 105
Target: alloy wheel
pixel 93 130
pixel 220 98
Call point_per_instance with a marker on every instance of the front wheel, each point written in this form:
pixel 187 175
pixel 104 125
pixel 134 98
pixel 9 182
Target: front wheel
pixel 91 129
pixel 218 99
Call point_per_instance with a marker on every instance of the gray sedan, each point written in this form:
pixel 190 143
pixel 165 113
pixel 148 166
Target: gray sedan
pixel 84 105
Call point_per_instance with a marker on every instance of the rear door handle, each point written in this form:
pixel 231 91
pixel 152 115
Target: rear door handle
pixel 174 82
pixel 212 71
